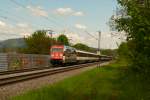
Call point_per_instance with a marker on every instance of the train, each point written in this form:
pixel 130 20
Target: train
pixel 61 54
pixel 105 58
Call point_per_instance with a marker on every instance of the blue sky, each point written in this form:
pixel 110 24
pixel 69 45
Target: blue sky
pixel 22 17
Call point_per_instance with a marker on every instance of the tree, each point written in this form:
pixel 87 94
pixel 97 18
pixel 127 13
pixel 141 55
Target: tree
pixel 136 24
pixel 62 39
pixel 84 47
pixel 81 46
pixel 38 43
pixel 109 52
pixel 123 52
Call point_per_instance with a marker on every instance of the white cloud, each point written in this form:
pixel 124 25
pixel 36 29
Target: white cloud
pixel 23 29
pixel 79 26
pixel 15 31
pixel 2 24
pixel 72 36
pixel 78 13
pixel 64 11
pixel 68 11
pixel 105 35
pixel 22 25
pixel 75 38
pixel 38 11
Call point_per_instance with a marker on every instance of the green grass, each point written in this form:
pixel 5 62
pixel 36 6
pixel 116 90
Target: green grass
pixel 106 83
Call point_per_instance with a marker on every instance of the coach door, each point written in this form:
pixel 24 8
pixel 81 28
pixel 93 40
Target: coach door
pixel 67 55
pixel 73 55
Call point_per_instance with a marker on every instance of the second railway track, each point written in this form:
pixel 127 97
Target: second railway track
pixel 18 77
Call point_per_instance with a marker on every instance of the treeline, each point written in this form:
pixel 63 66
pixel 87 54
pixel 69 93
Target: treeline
pixel 39 43
pixel 136 23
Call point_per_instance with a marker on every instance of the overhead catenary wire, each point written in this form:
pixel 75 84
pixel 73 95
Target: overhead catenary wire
pixel 20 5
pixel 16 18
pixel 44 17
pixel 7 18
pixel 50 19
pixel 91 35
pixel 6 33
pixel 17 3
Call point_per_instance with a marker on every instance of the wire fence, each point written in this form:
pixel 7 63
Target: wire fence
pixel 13 61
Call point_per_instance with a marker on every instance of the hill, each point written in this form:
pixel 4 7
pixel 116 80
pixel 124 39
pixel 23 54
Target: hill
pixel 13 43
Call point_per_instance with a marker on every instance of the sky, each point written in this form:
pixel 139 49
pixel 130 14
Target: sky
pixel 19 18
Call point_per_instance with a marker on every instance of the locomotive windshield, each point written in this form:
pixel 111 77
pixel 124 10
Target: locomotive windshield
pixel 57 50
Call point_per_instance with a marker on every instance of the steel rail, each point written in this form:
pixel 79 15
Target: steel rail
pixel 28 69
pixel 13 78
pixel 22 70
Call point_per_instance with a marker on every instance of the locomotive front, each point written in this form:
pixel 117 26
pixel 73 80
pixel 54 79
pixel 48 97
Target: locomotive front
pixel 56 54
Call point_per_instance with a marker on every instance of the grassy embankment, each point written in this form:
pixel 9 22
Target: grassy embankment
pixel 111 82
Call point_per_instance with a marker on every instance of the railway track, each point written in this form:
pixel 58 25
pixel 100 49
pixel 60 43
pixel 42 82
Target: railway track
pixel 25 70
pixel 22 70
pixel 7 79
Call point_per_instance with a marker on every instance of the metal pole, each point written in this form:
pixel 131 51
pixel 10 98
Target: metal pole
pixel 51 33
pixel 99 40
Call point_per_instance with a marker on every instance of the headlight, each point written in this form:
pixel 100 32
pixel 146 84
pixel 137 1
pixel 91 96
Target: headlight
pixel 61 55
pixel 52 55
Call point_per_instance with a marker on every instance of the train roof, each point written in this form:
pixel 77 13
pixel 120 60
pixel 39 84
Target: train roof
pixel 57 46
pixel 86 52
pixel 80 51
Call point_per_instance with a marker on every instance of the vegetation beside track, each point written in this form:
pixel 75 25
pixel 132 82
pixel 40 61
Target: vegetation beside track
pixel 110 82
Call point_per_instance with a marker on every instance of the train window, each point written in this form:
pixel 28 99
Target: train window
pixel 86 55
pixel 68 50
pixel 74 51
pixel 57 50
pixel 81 54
